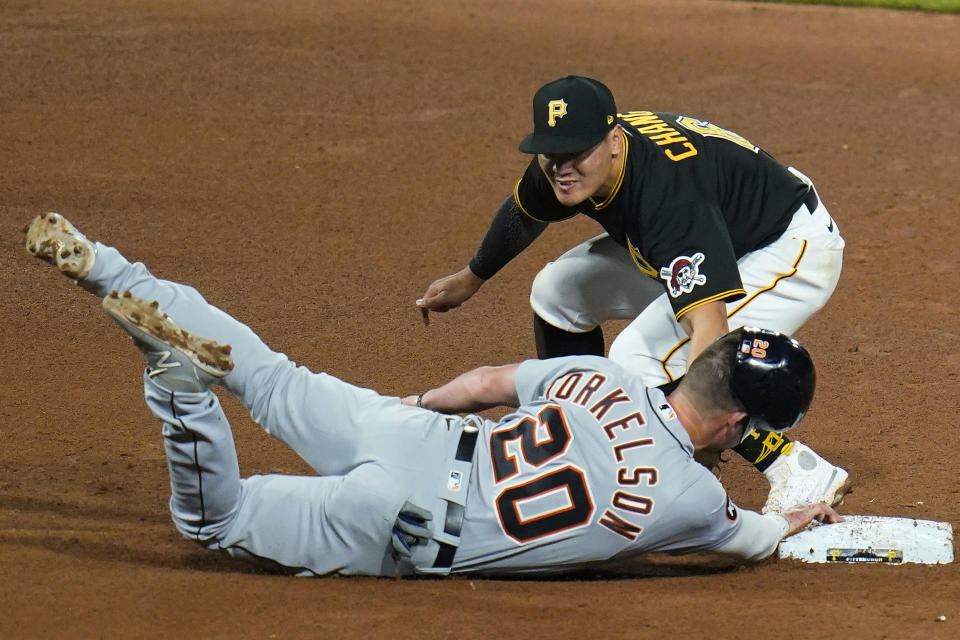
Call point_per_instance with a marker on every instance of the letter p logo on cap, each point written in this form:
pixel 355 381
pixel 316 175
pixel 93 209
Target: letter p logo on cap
pixel 555 109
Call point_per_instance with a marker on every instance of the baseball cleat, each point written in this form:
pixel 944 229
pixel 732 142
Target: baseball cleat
pixel 177 360
pixel 801 477
pixel 52 238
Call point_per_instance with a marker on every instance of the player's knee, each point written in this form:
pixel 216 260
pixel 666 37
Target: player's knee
pixel 204 529
pixel 554 296
pixel 547 286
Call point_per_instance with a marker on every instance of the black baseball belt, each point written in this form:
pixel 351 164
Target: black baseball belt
pixel 453 520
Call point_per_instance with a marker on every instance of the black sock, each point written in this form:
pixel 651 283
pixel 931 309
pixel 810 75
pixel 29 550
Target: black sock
pixel 761 448
pixel 554 343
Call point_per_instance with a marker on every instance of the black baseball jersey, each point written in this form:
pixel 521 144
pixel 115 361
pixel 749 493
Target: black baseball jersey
pixel 691 199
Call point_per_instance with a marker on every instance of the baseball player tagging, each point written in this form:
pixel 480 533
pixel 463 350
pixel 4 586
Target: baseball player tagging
pixel 703 231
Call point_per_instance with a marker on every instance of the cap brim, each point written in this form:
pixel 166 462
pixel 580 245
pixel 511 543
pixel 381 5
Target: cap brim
pixel 560 144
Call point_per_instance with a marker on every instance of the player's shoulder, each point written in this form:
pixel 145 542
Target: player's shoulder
pixel 656 127
pixel 656 145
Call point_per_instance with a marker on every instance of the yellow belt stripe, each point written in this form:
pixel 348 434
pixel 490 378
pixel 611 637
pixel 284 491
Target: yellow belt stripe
pixel 793 271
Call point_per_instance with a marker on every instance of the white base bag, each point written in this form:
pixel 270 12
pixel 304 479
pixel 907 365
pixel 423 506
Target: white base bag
pixel 872 539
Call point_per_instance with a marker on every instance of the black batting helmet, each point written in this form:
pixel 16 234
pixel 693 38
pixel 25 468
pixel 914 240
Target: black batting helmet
pixel 773 378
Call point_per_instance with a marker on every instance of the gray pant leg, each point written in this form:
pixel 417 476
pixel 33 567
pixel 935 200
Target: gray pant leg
pixel 296 524
pixel 590 284
pixel 201 460
pixel 377 452
pixel 256 364
pixel 318 416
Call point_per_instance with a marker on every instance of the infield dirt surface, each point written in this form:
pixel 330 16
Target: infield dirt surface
pixel 312 165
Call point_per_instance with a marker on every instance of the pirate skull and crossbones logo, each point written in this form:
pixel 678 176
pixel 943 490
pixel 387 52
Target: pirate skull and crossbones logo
pixel 683 274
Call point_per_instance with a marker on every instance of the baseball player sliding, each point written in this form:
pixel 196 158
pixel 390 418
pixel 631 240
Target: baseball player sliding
pixel 704 231
pixel 590 469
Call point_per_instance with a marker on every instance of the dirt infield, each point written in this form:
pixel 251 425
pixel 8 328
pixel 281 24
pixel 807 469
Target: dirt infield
pixel 312 165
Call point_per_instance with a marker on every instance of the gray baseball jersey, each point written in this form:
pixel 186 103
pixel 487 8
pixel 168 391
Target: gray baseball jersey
pixel 592 468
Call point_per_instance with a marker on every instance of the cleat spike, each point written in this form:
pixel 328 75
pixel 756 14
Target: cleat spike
pixel 53 239
pixel 176 360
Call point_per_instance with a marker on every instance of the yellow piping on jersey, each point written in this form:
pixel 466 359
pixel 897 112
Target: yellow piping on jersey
pixel 640 261
pixel 516 198
pixel 792 272
pixel 713 298
pixel 616 186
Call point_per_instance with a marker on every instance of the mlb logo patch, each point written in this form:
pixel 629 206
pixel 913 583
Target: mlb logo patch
pixel 667 412
pixel 454 481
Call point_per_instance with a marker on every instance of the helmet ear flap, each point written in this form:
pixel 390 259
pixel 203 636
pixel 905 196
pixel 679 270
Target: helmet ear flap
pixel 773 378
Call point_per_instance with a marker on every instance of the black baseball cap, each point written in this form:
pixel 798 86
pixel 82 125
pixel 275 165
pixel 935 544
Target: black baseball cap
pixel 570 114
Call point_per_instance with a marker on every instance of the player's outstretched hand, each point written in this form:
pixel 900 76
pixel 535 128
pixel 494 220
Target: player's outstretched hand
pixel 800 516
pixel 449 292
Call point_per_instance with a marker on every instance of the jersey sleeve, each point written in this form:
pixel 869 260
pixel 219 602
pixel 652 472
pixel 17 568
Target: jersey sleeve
pixel 703 518
pixel 694 257
pixel 536 199
pixel 757 537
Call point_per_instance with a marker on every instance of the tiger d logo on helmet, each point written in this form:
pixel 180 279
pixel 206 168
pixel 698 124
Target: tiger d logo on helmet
pixel 773 378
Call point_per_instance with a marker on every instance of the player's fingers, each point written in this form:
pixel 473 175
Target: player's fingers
pixel 438 303
pixel 802 515
pixel 821 512
pixel 826 513
pixel 402 542
pixel 410 527
pixel 411 511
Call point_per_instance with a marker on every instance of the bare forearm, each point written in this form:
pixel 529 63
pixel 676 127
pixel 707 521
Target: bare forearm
pixel 699 341
pixel 474 390
pixel 704 325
